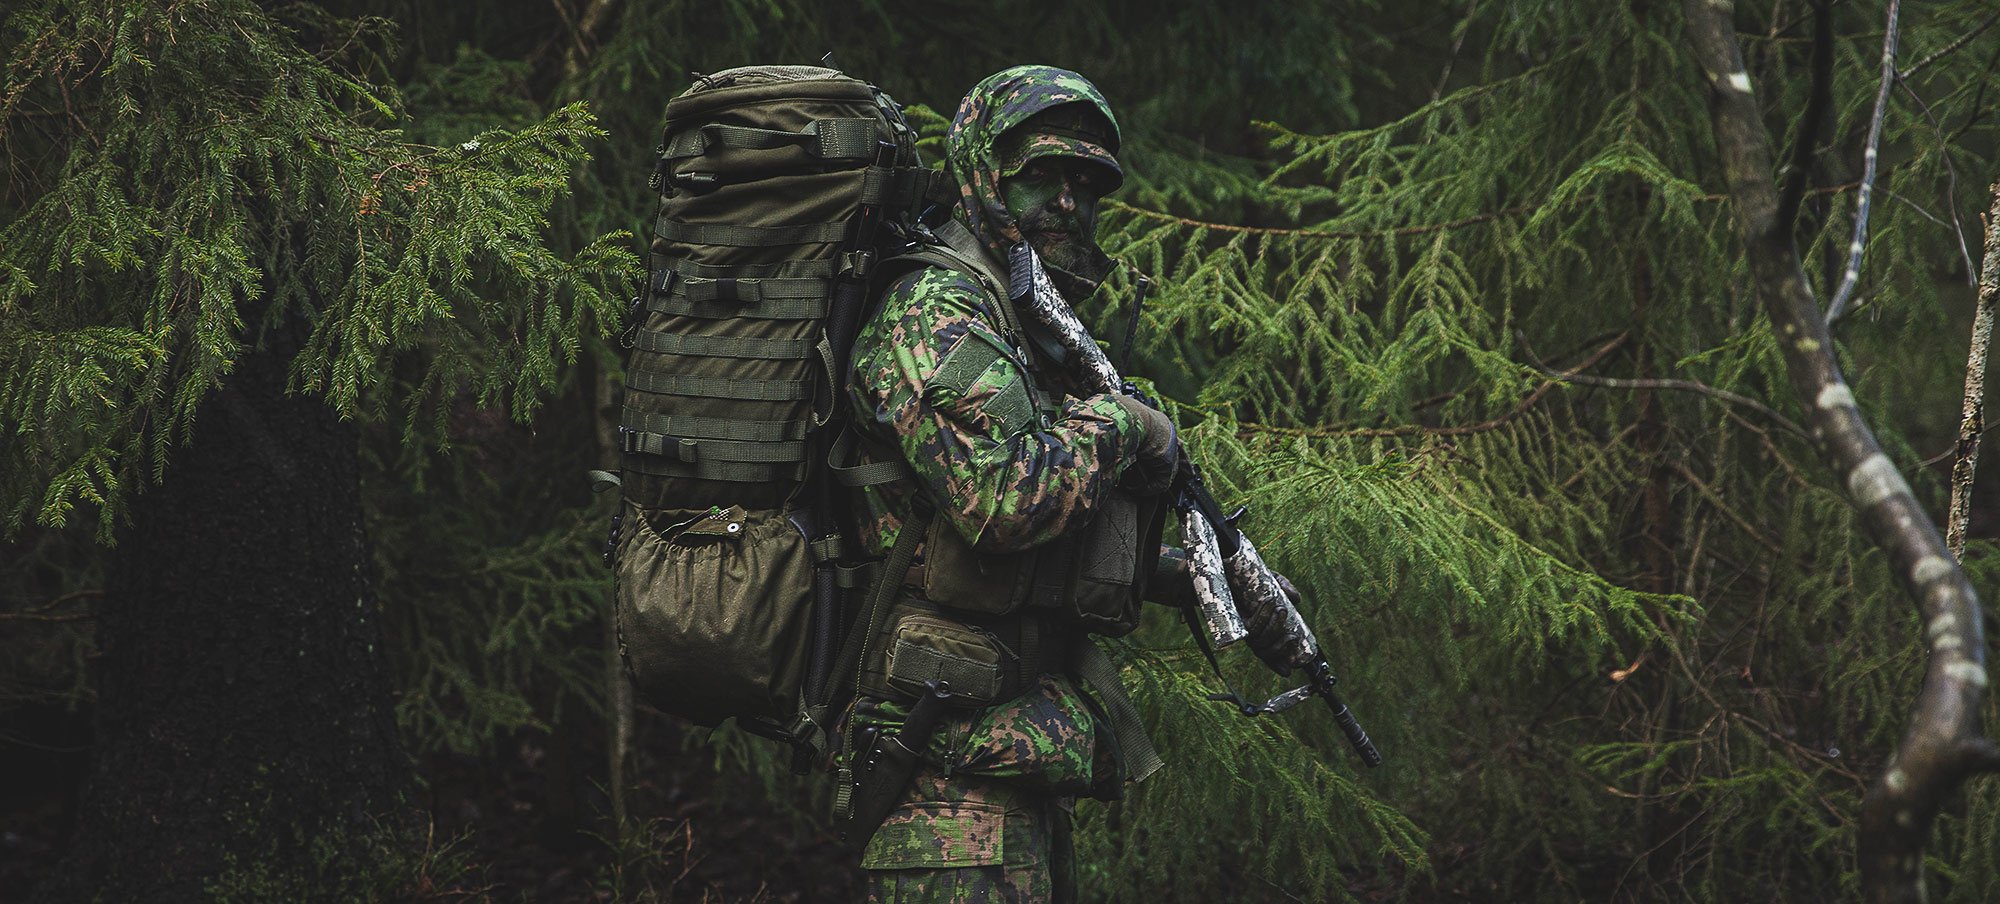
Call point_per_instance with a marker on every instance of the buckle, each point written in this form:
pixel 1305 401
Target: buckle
pixel 857 264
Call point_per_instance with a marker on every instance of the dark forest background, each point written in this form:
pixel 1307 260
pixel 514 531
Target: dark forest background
pixel 303 357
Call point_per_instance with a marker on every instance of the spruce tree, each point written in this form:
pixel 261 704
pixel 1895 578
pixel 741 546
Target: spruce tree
pixel 220 249
pixel 1449 296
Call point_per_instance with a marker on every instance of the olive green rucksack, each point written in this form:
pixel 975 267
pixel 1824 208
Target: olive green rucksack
pixel 780 189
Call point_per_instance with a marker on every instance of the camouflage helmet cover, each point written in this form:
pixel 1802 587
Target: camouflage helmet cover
pixel 1004 101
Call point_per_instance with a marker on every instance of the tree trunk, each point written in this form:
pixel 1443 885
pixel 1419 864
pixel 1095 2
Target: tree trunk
pixel 245 745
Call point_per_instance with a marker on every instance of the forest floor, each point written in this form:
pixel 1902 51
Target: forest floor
pixel 528 821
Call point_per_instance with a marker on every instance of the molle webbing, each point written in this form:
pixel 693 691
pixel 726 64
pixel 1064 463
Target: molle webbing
pixel 735 236
pixel 753 347
pixel 764 176
pixel 719 387
pixel 827 139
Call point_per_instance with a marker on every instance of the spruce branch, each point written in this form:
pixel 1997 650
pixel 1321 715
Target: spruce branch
pixel 1851 277
pixel 1972 420
pixel 1520 408
pixel 1943 744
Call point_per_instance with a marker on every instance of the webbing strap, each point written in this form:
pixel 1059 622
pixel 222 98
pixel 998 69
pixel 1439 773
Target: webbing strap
pixel 962 243
pixel 718 387
pixel 868 622
pixel 828 139
pixel 737 236
pixel 855 577
pixel 872 474
pixel 896 187
pixel 751 347
pixel 750 288
pixel 1101 675
pixel 823 268
pixel 732 471
pixel 688 450
pixel 765 309
pixel 716 427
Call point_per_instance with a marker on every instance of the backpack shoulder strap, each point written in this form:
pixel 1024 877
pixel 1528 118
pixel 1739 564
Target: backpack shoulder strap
pixel 955 248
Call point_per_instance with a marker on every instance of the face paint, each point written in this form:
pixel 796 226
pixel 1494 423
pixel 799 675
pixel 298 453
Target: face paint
pixel 1055 202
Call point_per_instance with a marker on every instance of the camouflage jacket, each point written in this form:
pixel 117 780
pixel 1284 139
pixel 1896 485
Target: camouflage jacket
pixel 1004 478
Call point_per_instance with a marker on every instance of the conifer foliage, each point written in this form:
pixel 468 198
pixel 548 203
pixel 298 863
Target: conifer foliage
pixel 1447 294
pixel 163 157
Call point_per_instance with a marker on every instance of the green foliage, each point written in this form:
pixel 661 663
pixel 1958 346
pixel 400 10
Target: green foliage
pixel 188 175
pixel 1618 642
pixel 1372 387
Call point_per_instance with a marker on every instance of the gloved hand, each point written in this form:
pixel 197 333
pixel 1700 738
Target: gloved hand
pixel 1159 452
pixel 1280 649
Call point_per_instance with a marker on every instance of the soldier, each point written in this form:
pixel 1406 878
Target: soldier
pixel 1029 477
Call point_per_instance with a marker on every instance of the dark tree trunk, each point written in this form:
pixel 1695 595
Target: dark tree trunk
pixel 245 745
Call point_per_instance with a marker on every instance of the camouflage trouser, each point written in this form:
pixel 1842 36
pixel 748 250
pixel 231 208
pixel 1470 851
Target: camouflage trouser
pixel 989 820
pixel 968 839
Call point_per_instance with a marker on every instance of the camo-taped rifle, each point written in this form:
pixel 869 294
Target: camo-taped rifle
pixel 1224 564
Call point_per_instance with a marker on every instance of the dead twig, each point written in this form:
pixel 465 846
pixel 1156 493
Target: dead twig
pixel 1972 419
pixel 1851 277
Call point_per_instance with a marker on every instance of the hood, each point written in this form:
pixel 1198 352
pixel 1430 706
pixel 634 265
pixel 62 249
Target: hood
pixel 1002 101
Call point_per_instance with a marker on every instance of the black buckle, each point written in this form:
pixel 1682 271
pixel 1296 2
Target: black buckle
pixel 857 264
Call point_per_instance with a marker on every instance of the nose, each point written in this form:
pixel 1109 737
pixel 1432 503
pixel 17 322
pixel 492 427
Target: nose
pixel 1066 199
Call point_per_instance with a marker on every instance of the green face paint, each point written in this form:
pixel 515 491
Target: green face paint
pixel 1055 202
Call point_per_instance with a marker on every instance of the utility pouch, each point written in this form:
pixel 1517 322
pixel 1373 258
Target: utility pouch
pixel 957 577
pixel 1098 583
pixel 921 644
pixel 714 610
pixel 971 664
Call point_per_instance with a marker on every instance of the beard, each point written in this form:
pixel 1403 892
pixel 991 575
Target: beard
pixel 1069 252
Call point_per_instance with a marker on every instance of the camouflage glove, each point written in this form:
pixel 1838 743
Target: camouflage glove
pixel 1159 452
pixel 1268 638
pixel 1173 585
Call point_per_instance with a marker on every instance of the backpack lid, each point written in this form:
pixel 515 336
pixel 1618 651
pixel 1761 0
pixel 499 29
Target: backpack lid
pixel 757 84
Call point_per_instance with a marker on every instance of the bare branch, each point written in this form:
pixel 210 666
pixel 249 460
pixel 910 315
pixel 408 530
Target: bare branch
pixel 1852 276
pixel 1663 383
pixel 1943 744
pixel 1950 48
pixel 1520 408
pixel 1972 420
pixel 33 617
pixel 1457 41
pixel 1396 232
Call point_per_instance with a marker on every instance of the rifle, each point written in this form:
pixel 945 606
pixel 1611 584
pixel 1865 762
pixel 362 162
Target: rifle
pixel 1225 566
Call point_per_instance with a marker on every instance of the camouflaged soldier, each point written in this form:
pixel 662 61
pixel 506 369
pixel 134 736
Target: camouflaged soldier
pixel 1041 514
